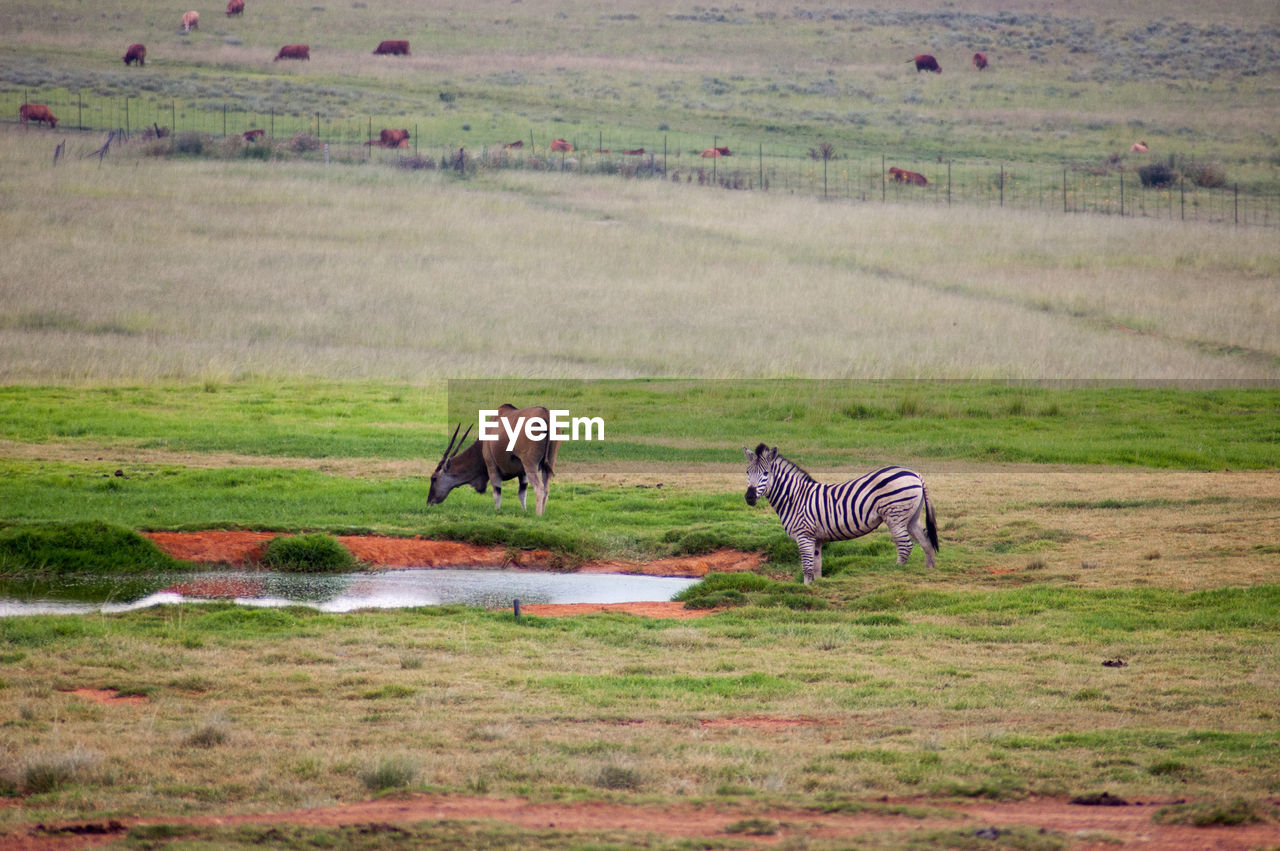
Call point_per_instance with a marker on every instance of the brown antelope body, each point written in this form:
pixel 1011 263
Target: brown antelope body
pixel 490 462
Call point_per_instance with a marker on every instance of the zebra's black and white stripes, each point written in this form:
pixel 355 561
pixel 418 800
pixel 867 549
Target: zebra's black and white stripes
pixel 813 513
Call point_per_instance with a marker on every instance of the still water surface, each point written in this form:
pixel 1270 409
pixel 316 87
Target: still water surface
pixel 345 592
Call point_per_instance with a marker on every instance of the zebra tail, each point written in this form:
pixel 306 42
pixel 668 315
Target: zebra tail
pixel 930 524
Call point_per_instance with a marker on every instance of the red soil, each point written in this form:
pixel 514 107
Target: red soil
pixel 1080 826
pixel 238 548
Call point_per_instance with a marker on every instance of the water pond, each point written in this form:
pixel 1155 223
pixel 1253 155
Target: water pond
pixel 339 593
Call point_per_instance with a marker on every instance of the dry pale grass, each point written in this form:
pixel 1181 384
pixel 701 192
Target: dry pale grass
pixel 146 270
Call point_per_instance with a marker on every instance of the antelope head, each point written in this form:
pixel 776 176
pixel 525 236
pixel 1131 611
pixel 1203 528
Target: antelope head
pixel 457 468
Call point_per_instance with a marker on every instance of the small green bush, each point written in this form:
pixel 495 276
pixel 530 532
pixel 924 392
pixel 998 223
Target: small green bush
pixel 1205 174
pixel 742 589
pixel 85 547
pixel 394 773
pixel 314 553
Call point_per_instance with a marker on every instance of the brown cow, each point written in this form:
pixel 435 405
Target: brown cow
pixel 925 62
pixel 634 153
pixel 716 152
pixel 136 53
pixel 294 51
pixel 979 60
pixel 37 112
pixel 518 143
pixel 561 145
pixel 190 21
pixel 392 48
pixel 391 139
pixel 254 135
pixel 904 176
pixel 1139 147
pixel 235 7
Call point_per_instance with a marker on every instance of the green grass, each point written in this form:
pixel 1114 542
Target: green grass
pixel 314 553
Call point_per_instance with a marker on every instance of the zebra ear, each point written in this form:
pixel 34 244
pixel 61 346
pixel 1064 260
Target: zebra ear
pixel 773 453
pixel 751 456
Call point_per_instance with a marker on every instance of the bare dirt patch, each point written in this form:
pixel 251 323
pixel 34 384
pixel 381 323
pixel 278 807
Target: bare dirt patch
pixel 878 821
pixel 109 697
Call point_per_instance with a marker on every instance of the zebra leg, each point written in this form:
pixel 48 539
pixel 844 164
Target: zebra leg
pixel 902 538
pixel 917 531
pixel 807 545
pixel 817 559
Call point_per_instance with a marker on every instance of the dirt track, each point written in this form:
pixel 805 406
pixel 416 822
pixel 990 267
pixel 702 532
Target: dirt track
pixel 1080 826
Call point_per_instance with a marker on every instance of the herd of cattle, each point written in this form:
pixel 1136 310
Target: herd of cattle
pixel 396 138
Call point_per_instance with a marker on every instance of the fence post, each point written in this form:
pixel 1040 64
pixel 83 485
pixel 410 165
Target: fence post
pixel 224 121
pixel 948 183
pixel 80 110
pixel 273 122
pixel 884 187
pixel 173 115
pixel 1064 189
pixel 1001 184
pixel 1122 194
pixel 1235 191
pixel 126 115
pixel 761 155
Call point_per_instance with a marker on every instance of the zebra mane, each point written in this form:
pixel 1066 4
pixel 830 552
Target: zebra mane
pixel 803 473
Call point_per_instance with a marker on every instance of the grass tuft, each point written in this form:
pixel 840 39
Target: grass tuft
pixel 313 553
pixel 88 547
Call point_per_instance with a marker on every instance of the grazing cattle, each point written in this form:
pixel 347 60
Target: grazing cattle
pixel 389 138
pixel 561 145
pixel 37 112
pixel 190 21
pixel 136 53
pixel 254 135
pixel 294 51
pixel 902 176
pixel 235 7
pixel 518 143
pixel 490 462
pixel 392 48
pixel 716 152
pixel 1138 147
pixel 635 153
pixel 925 62
pixel 979 60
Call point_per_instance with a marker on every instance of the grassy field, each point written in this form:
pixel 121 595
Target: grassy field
pixel 282 344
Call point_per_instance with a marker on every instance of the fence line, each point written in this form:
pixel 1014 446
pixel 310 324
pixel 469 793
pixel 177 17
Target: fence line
pixel 748 165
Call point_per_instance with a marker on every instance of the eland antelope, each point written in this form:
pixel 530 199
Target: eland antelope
pixel 489 462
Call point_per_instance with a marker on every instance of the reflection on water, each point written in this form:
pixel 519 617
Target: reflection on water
pixel 340 593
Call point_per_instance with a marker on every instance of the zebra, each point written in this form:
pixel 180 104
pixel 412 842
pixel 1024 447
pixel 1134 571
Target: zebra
pixel 813 513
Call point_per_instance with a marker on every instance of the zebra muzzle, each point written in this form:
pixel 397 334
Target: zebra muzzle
pixel 751 496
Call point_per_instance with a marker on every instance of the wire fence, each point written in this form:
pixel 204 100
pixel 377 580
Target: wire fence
pixel 722 162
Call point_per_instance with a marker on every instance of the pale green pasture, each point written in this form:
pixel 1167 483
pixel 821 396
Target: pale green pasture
pixel 144 269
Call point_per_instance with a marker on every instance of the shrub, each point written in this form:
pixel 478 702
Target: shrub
pixel 303 143
pixel 189 143
pixel 1205 174
pixel 1156 175
pixel 87 547
pixel 742 589
pixel 313 553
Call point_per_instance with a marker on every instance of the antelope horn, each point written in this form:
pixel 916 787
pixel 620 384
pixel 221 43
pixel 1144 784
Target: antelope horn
pixel 464 438
pixel 449 448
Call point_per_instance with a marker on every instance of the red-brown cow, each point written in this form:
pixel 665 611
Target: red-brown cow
pixel 561 145
pixel 235 7
pixel 392 48
pixel 190 21
pixel 294 51
pixel 1139 147
pixel 903 176
pixel 391 139
pixel 518 143
pixel 925 62
pixel 979 60
pixel 716 152
pixel 635 152
pixel 37 112
pixel 254 135
pixel 136 53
